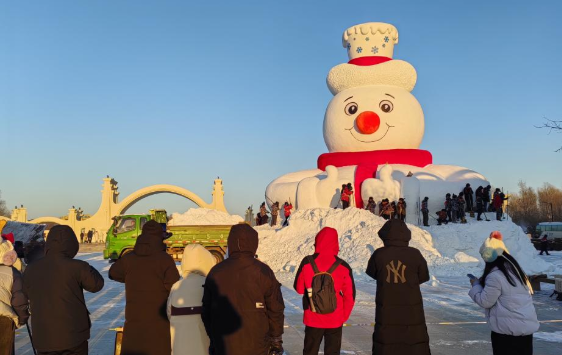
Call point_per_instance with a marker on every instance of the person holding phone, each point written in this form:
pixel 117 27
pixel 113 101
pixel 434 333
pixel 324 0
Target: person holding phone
pixel 504 291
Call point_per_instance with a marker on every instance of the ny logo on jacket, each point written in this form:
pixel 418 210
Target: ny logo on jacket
pixel 397 271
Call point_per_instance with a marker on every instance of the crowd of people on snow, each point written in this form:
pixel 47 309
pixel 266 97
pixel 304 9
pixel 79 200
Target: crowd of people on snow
pixel 262 217
pixel 388 210
pixel 456 206
pixel 236 307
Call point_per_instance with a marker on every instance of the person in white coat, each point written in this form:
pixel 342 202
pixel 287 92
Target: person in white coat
pixel 184 304
pixel 505 293
pixel 13 301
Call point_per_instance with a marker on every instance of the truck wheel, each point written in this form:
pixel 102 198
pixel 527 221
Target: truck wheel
pixel 218 255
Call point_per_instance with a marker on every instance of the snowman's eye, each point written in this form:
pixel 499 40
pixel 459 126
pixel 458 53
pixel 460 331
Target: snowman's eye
pixel 386 106
pixel 351 108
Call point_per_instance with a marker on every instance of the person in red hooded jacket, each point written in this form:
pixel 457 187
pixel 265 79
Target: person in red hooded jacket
pixel 326 326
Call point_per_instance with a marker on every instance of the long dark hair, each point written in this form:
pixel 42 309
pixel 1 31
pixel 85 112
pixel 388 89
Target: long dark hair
pixel 509 267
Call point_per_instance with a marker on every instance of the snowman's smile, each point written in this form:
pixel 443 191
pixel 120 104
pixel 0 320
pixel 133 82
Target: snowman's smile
pixel 388 127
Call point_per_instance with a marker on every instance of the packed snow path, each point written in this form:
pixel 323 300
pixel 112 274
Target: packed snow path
pixel 444 301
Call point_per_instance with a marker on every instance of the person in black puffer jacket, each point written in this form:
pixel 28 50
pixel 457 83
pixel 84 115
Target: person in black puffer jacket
pixel 400 327
pixel 242 301
pixel 149 274
pixel 55 286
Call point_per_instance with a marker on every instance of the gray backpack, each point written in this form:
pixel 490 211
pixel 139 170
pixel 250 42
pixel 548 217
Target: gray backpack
pixel 322 296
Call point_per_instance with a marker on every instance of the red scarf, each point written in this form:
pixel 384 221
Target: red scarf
pixel 368 162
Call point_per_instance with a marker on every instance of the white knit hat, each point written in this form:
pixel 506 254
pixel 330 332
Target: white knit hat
pixel 8 255
pixel 493 247
pixel 370 48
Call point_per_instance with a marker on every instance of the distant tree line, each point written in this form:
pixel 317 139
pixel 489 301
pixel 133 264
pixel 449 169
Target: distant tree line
pixel 531 206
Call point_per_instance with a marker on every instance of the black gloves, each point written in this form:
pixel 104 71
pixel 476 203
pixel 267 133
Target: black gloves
pixel 276 346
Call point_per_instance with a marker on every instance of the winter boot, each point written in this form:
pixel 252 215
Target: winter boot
pixel 472 214
pixel 463 220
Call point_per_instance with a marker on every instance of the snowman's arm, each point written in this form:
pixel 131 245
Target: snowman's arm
pixel 317 191
pixel 324 190
pixel 310 188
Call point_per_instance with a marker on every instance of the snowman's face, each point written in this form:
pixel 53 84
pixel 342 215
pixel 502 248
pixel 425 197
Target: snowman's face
pixel 373 117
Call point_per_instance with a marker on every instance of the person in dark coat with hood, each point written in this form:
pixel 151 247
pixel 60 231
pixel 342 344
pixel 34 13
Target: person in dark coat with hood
pixel 400 327
pixel 55 286
pixel 149 274
pixel 242 301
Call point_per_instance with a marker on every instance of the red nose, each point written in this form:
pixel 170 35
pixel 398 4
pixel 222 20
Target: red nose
pixel 368 122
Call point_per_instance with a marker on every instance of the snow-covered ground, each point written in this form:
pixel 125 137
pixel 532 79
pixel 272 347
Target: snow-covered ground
pixel 204 216
pixel 450 250
pixel 455 324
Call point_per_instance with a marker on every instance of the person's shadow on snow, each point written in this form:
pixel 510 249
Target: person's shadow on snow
pixel 336 199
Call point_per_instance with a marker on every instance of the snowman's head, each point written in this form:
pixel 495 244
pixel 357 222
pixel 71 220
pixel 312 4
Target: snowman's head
pixel 372 108
pixel 373 117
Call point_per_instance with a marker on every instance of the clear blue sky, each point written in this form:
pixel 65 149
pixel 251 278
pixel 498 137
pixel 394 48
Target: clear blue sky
pixel 174 92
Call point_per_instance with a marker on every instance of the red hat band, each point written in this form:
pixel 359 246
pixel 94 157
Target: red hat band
pixel 367 61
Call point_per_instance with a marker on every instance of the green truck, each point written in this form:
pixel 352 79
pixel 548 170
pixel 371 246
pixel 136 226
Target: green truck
pixel 122 236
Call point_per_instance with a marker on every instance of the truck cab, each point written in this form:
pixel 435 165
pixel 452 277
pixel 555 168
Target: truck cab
pixel 125 230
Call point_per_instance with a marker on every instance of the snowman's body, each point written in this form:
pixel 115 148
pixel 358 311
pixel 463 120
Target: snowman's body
pixel 314 188
pixel 373 128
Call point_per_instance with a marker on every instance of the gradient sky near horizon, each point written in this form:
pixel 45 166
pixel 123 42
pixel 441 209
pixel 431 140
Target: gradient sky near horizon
pixel 153 92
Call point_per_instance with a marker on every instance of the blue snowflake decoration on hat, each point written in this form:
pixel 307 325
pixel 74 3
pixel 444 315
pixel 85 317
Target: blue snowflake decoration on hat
pixel 348 46
pixel 386 39
pixel 359 49
pixel 375 50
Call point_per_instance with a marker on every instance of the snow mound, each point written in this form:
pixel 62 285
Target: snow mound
pixel 204 216
pixel 450 250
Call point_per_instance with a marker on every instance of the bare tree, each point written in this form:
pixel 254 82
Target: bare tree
pixel 4 211
pixel 550 202
pixel 552 125
pixel 524 207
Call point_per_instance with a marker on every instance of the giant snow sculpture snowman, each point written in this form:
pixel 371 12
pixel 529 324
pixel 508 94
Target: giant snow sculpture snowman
pixel 373 128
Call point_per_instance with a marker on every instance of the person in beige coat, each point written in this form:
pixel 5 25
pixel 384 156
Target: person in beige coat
pixel 185 301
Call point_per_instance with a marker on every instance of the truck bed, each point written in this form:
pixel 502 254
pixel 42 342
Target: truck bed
pixel 198 232
pixel 212 237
